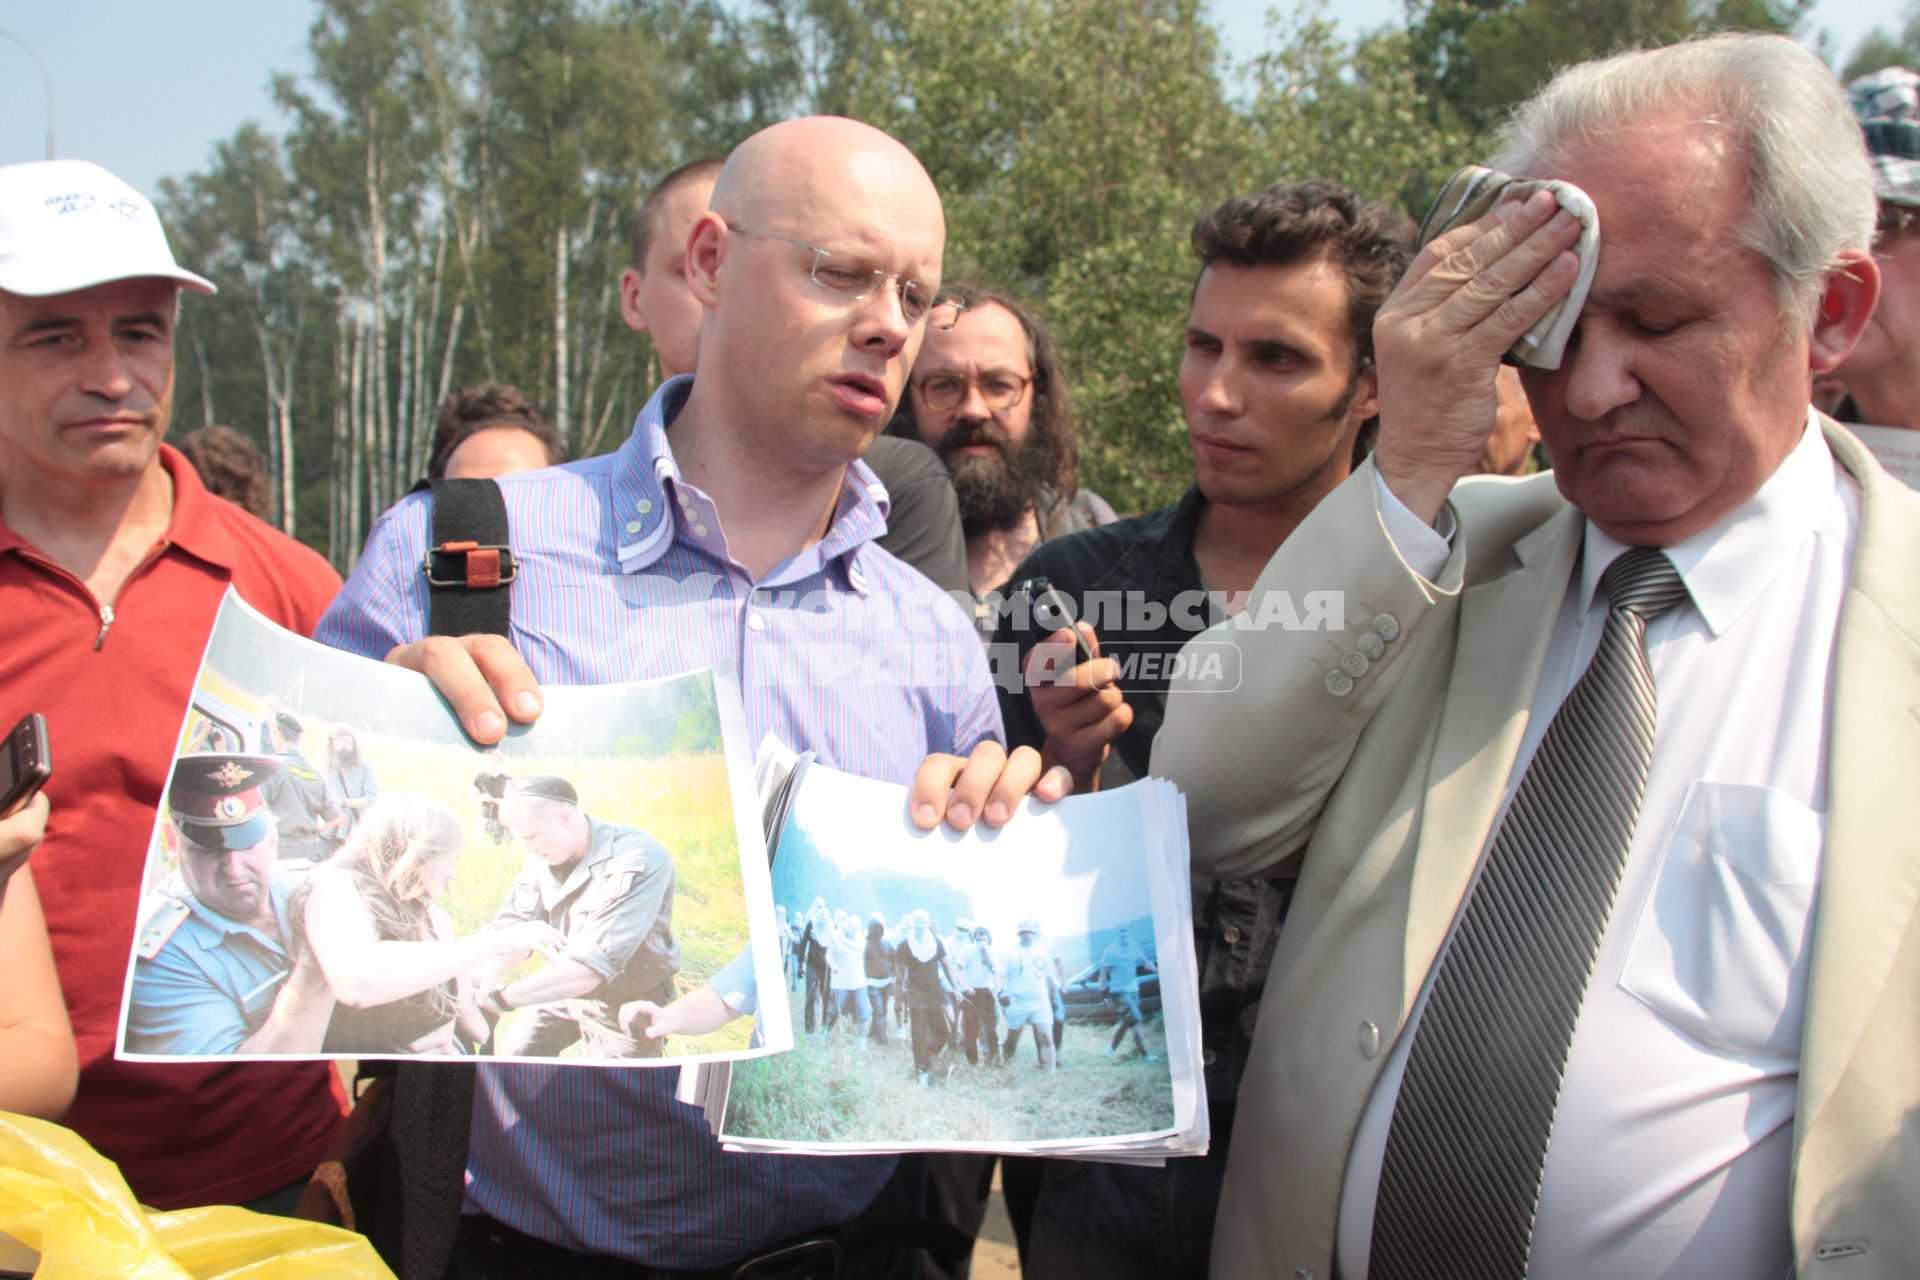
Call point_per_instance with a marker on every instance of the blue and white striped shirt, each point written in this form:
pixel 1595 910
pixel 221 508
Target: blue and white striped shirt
pixel 841 650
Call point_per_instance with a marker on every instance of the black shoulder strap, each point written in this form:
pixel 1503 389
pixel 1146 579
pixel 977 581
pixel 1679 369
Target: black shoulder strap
pixel 469 565
pixel 469 570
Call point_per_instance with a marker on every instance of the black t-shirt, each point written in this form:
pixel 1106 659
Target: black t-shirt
pixel 924 990
pixel 923 515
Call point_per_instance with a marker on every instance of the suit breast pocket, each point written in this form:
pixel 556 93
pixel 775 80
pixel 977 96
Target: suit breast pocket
pixel 1722 945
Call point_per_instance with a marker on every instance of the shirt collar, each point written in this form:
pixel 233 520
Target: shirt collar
pixel 1726 566
pixel 654 504
pixel 1174 568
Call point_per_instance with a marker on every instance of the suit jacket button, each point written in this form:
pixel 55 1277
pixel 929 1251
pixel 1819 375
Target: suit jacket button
pixel 1369 1040
pixel 1355 664
pixel 1371 645
pixel 1339 683
pixel 1386 626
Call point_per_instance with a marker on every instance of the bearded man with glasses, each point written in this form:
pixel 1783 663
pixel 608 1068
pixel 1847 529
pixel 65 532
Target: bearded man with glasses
pixel 989 396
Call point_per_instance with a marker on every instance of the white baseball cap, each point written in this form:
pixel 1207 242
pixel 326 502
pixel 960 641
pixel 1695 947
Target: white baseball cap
pixel 67 225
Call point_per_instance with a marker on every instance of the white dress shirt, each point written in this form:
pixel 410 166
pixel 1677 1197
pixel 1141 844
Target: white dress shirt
pixel 1671 1144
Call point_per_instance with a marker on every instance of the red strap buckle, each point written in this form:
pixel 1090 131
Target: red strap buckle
pixel 481 567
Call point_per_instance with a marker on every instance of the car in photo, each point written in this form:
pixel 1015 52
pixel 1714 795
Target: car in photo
pixel 1086 1002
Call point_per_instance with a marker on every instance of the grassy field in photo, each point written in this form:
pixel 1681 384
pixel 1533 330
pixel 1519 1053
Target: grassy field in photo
pixel 829 1089
pixel 679 799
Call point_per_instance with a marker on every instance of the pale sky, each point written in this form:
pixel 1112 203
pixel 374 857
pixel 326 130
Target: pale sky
pixel 145 87
pixel 859 825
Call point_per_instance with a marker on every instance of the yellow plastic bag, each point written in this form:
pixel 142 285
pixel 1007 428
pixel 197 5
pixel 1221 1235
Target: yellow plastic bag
pixel 60 1196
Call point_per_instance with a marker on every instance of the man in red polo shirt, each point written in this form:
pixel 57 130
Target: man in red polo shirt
pixel 113 560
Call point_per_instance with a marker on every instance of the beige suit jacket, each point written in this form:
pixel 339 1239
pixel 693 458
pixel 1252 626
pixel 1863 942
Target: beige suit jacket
pixel 1384 796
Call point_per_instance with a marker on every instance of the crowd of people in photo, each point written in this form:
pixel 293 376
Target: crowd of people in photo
pixel 1554 905
pixel 952 992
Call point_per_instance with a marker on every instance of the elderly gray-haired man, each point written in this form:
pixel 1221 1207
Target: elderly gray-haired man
pixel 1637 993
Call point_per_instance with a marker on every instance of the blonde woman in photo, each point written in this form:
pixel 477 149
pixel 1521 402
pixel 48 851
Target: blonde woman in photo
pixel 401 979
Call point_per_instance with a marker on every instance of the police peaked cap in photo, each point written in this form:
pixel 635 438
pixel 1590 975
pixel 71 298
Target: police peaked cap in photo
pixel 547 786
pixel 217 799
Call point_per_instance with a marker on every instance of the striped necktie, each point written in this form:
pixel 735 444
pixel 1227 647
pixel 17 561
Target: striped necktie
pixel 1461 1178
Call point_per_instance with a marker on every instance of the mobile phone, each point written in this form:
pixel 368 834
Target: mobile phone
pixel 25 765
pixel 1050 612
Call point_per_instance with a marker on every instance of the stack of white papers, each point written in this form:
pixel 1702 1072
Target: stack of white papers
pixel 924 971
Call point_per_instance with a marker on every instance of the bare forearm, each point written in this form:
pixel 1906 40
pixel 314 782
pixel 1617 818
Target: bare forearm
pixel 38 1067
pixel 560 980
pixel 298 1021
pixel 41 1070
pixel 388 971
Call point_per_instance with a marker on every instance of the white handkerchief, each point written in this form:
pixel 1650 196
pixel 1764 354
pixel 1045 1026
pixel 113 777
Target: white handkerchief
pixel 1474 190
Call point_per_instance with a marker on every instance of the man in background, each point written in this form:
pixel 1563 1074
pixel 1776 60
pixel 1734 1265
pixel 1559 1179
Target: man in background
pixel 1278 383
pixel 491 430
pixel 1509 450
pixel 113 562
pixel 230 467
pixel 1882 376
pixel 991 398
pixel 1032 974
pixel 307 818
pixel 1121 965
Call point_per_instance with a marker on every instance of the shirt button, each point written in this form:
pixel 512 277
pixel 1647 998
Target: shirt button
pixel 756 623
pixel 634 526
pixel 1355 664
pixel 1208 1057
pixel 1369 1040
pixel 1339 683
pixel 1371 644
pixel 699 531
pixel 644 505
pixel 1386 626
pixel 1231 933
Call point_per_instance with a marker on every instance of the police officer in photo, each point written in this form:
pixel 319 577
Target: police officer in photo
pixel 609 889
pixel 211 973
pixel 299 796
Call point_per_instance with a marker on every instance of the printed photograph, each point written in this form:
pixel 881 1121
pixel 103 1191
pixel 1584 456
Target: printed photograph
pixel 993 988
pixel 337 871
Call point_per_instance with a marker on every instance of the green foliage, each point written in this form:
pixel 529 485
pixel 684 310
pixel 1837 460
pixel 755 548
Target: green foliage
pixel 452 201
pixel 1477 58
pixel 1881 48
pixel 831 1090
